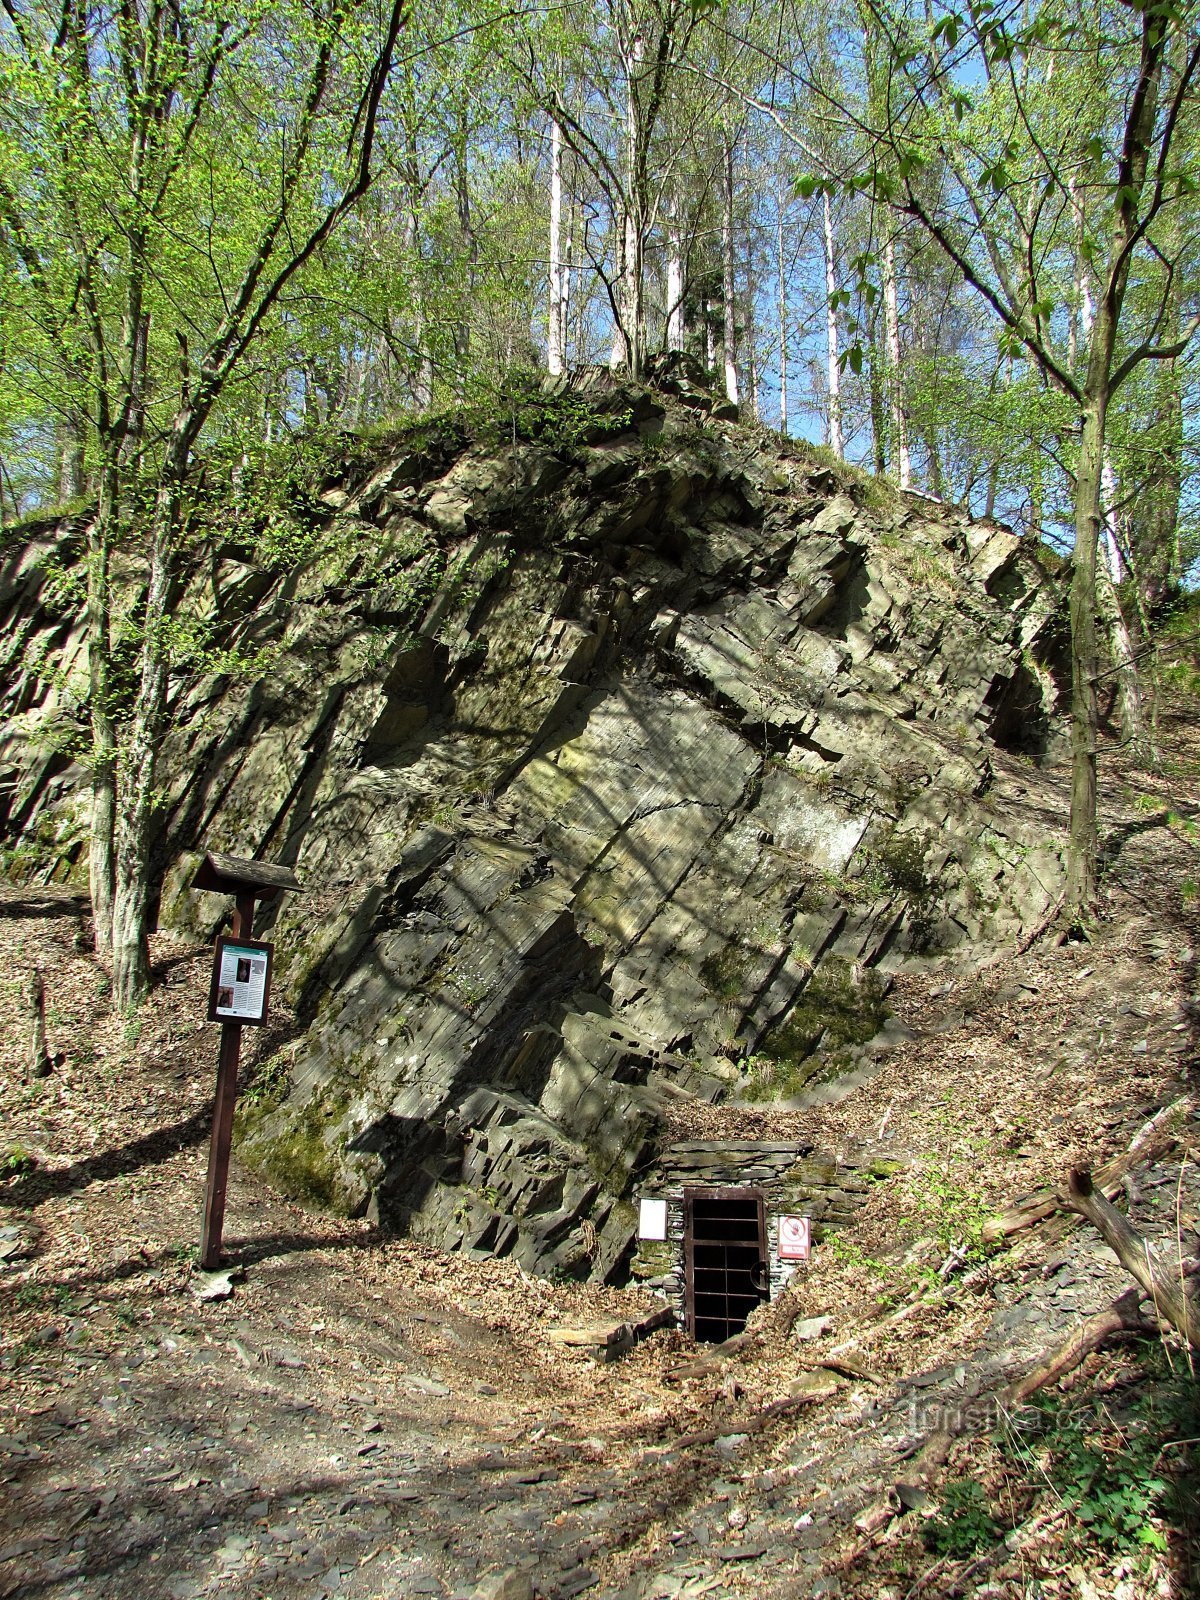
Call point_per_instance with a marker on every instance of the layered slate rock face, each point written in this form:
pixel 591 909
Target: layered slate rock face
pixel 618 771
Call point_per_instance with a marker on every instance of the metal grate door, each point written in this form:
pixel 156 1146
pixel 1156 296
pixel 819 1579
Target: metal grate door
pixel 725 1260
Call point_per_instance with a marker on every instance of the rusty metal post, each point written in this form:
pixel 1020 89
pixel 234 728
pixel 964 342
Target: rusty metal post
pixel 223 1108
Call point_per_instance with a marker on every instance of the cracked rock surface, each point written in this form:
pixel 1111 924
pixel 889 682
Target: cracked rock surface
pixel 608 767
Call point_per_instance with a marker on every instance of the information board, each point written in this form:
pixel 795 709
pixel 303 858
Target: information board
pixel 795 1238
pixel 241 981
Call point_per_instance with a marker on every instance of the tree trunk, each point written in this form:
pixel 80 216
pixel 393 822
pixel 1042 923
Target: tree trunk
pixel 139 353
pixel 1124 667
pixel 676 331
pixel 1154 533
pixel 1112 544
pixel 783 327
pixel 729 341
pixel 567 254
pixel 628 350
pixel 635 314
pixel 1172 1301
pixel 751 345
pixel 556 321
pixel 876 379
pixel 71 481
pixel 104 741
pixel 1081 861
pixel 618 359
pixel 895 387
pixel 135 818
pixel 836 443
pixel 40 1065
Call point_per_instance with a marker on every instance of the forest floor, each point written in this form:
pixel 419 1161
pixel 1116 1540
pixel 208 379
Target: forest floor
pixel 364 1417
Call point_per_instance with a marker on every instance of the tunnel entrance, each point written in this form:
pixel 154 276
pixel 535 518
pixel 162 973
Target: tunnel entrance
pixel 725 1260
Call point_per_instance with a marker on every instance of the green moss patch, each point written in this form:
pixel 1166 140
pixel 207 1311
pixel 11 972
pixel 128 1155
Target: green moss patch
pixel 298 1159
pixel 833 1014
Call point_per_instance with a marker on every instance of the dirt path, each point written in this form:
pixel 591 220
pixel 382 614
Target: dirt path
pixel 363 1417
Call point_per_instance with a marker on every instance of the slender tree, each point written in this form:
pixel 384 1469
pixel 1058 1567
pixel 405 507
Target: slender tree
pixel 990 94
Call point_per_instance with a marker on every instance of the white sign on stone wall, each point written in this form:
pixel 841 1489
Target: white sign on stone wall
pixel 652 1219
pixel 795 1238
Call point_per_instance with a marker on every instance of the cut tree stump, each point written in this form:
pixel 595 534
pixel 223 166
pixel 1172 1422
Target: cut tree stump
pixel 34 1005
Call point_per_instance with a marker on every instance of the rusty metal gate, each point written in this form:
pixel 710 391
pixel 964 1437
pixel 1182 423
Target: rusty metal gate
pixel 725 1260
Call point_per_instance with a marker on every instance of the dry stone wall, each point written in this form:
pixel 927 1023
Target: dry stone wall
pixel 620 770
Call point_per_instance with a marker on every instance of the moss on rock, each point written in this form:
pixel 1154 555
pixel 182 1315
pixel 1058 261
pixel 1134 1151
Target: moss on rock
pixel 298 1160
pixel 837 1010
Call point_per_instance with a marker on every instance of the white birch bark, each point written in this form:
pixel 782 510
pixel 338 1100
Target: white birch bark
pixel 1108 478
pixel 1129 693
pixel 556 320
pixel 676 332
pixel 892 331
pixel 567 257
pixel 783 327
pixel 628 340
pixel 836 442
pixel 730 324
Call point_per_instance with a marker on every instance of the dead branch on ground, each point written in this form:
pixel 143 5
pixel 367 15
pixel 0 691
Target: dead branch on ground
pixel 1122 1317
pixel 1171 1300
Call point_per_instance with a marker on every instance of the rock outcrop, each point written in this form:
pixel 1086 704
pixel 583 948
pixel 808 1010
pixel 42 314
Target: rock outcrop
pixel 622 764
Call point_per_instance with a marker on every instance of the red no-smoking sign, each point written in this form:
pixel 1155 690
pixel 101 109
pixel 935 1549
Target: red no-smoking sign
pixel 795 1238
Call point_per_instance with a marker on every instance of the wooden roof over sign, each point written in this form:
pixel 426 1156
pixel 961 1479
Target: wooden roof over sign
pixel 221 874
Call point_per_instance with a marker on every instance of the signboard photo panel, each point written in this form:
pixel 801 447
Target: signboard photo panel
pixel 241 981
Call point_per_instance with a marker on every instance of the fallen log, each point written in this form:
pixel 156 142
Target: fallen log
pixel 1171 1301
pixel 1122 1317
pixel 880 1511
pixel 848 1366
pixel 1150 1140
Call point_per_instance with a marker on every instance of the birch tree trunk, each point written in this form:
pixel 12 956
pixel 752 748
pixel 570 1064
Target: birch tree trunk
pixel 1130 711
pixel 1129 692
pixel 750 341
pixel 71 484
pixel 1082 865
pixel 676 331
pixel 565 301
pixel 836 443
pixel 729 296
pixel 895 390
pixel 556 321
pixel 618 359
pixel 635 316
pixel 877 380
pixel 781 290
pixel 628 350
